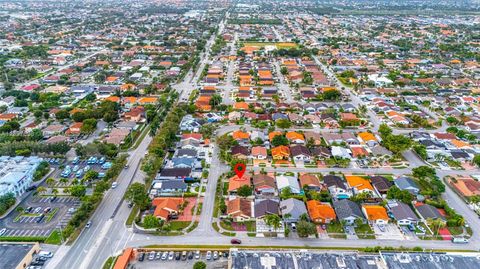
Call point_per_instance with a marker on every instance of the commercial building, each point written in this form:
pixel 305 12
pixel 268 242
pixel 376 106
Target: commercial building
pixel 16 173
pixel 17 255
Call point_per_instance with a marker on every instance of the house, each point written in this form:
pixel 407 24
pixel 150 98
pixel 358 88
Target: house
pixel 75 129
pixel 341 152
pixel 240 136
pixel 320 152
pixel 314 137
pixel 259 153
pixel 166 208
pixel 427 211
pixel 337 187
pixel 281 153
pixel 291 209
pixel 290 182
pixel 348 211
pixel 310 182
pixel 359 184
pixel 53 129
pixel 320 212
pixel 358 152
pixel 381 184
pixel 367 138
pixel 375 214
pixel 240 209
pixel 174 173
pixel 402 213
pixel 240 152
pixel 169 187
pixel 300 153
pixel 264 185
pixel 296 138
pixel 265 207
pixel 406 183
pixel 236 182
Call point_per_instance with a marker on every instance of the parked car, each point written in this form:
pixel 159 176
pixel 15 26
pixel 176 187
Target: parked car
pixel 215 255
pixel 197 254
pixel 46 254
pixel 177 256
pixel 158 255
pixel 76 160
pixel 235 241
pixel 46 210
pixel 164 255
pixel 75 168
pixel 184 255
pixel 141 256
pixel 151 256
pixel 28 209
pixel 190 255
pixel 170 255
pixel 209 255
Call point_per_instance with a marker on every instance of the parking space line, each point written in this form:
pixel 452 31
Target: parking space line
pixel 30 232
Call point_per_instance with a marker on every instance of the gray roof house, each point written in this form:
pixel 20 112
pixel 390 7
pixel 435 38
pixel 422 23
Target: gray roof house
pixel 347 210
pixel 402 213
pixel 429 212
pixel 265 207
pixel 406 183
pixel 168 187
pixel 294 207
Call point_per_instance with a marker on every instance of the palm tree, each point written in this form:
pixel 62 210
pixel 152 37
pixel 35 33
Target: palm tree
pixel 54 191
pixel 436 224
pixel 41 190
pixel 63 180
pixel 66 190
pixel 50 181
pixel 273 220
pixel 304 217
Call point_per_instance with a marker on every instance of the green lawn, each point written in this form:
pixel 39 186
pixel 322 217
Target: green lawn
pixel 226 225
pixel 335 230
pixel 110 262
pixel 455 230
pixel 251 226
pixel 179 225
pixel 199 209
pixel 132 216
pixel 54 238
pixel 364 231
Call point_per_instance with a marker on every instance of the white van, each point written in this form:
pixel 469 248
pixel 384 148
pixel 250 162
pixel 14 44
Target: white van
pixel 459 240
pixel 114 185
pixel 45 254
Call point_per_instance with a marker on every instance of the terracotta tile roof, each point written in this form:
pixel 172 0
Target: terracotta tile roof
pixel 281 152
pixel 359 183
pixel 240 135
pixel 163 206
pixel 310 180
pixel 375 212
pixel 235 182
pixel 295 136
pixel 239 207
pixel 366 136
pixel 320 211
pixel 272 135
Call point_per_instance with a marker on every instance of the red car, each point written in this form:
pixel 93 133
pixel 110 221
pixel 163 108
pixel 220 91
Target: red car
pixel 236 241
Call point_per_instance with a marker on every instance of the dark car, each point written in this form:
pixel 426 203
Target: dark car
pixel 177 256
pixel 235 241
pixel 190 255
pixel 31 188
pixel 28 209
pixel 141 257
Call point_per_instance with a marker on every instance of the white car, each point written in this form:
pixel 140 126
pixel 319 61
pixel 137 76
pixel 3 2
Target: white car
pixel 151 256
pixel 197 254
pixel 209 255
pixel 46 254
pixel 164 255
pixel 170 255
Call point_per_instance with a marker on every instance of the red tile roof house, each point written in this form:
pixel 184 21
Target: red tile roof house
pixel 75 129
pixel 240 209
pixel 166 207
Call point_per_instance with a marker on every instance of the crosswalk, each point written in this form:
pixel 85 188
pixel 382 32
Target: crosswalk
pixel 26 233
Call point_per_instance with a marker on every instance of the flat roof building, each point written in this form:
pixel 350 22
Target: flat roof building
pixel 17 255
pixel 16 173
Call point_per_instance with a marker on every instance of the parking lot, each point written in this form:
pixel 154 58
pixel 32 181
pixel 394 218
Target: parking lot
pixel 77 169
pixel 431 260
pixel 388 231
pixel 40 217
pixel 157 262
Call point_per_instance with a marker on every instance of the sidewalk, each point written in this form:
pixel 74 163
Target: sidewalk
pixel 58 257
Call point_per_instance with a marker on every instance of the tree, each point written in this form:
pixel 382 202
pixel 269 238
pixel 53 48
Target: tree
pixel 215 100
pixel 54 191
pixel 384 130
pixel 62 114
pixel 63 180
pixel 402 195
pixel 200 265
pixel 78 191
pixel 305 228
pixel 36 135
pixel 283 123
pixel 89 126
pixel 397 143
pixel 91 175
pixel 273 220
pixel 150 222
pixel 476 160
pixel 50 181
pixel 424 172
pixel 41 190
pixel 137 194
pixel 244 191
pixel 279 140
pixel 6 201
pixel 436 224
